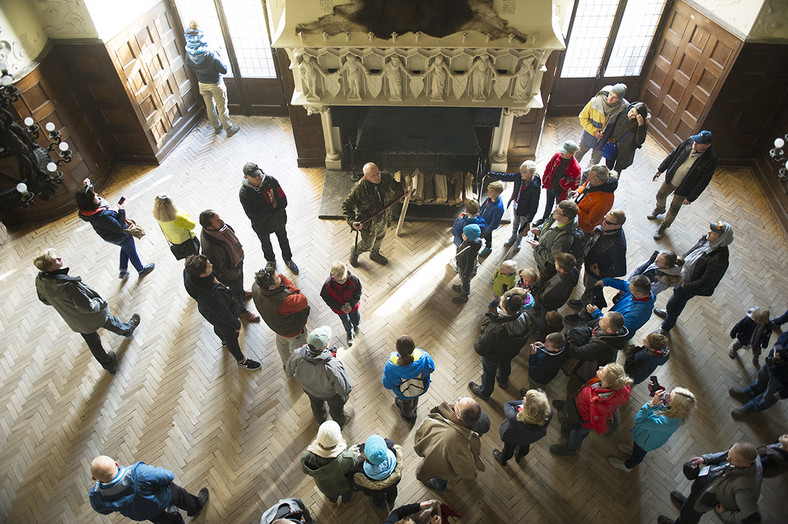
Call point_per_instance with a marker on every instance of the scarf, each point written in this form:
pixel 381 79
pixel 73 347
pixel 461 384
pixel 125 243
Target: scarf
pixel 196 46
pixel 227 236
pixel 599 102
pixel 383 470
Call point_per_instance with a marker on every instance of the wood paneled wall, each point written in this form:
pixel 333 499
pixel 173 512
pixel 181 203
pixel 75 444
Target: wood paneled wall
pixel 148 60
pixel 694 56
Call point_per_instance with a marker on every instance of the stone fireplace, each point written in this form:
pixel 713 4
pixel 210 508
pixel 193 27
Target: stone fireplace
pixel 409 54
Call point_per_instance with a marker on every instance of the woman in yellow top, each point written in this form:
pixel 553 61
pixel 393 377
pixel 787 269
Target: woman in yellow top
pixel 177 226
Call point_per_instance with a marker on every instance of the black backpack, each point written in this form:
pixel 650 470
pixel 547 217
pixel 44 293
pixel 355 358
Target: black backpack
pixel 578 244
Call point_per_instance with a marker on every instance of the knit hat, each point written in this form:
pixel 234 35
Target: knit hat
pixel 704 137
pixel 472 232
pixel 329 442
pixel 619 90
pixel 196 46
pixel 569 147
pixel 318 338
pixel 381 461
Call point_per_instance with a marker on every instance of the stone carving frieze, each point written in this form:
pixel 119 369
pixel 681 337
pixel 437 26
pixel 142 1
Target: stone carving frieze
pixel 417 76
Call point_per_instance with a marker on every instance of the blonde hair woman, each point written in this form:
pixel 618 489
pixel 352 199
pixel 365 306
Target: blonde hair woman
pixel 177 226
pixel 593 408
pixel 656 421
pixel 525 422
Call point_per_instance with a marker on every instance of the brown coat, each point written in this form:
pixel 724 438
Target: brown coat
pixel 450 450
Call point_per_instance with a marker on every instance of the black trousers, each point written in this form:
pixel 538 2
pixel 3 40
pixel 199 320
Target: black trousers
pixel 182 499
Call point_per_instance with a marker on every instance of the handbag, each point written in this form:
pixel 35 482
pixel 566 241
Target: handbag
pixel 610 151
pixel 184 249
pixel 134 229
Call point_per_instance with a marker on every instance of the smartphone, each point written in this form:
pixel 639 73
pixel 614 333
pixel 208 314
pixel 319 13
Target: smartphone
pixel 122 199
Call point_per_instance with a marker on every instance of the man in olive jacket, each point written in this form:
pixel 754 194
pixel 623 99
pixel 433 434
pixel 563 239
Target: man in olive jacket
pixel 555 236
pixel 448 444
pixel 82 308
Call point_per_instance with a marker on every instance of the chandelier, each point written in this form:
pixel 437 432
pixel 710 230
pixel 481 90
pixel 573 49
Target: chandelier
pixel 778 155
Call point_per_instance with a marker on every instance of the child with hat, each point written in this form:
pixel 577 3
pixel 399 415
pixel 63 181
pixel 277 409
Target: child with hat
pixel 379 470
pixel 466 261
pixel 329 462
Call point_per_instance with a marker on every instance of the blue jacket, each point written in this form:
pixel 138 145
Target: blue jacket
pixel 491 212
pixel 543 365
pixel 138 492
pixel 653 429
pixel 641 363
pixel 636 312
pixel 395 375
pixel 462 221
pixel 527 199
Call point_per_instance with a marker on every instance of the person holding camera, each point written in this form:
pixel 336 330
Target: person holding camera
pixel 112 226
pixel 656 421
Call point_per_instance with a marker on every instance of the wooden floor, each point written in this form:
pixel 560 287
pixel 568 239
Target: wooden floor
pixel 180 402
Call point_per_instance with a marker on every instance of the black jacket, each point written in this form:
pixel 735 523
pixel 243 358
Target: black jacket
pixel 628 139
pixel 609 251
pixel 502 337
pixel 466 257
pixel 109 224
pixel 558 289
pixel 699 174
pixel 257 204
pixel 590 344
pixel 209 70
pixel 213 301
pixel 707 271
pixel 529 197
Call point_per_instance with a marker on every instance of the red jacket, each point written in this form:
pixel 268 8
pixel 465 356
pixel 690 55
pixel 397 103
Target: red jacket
pixel 336 295
pixel 596 405
pixel 570 181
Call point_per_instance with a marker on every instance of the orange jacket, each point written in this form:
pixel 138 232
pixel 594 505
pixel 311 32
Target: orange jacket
pixel 593 203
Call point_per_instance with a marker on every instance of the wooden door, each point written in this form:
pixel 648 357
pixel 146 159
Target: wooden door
pixel 693 57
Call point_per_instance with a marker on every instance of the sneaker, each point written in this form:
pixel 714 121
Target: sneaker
pixel 292 266
pixel 375 256
pixel 618 464
pixel 233 130
pixel 249 316
pixel 732 350
pixel 457 288
pixel 147 269
pixel 654 214
pixel 134 321
pixel 476 390
pixel 575 303
pixel 124 274
pixel 248 363
pixel 113 367
pixel 203 496
pixel 356 329
pixel 678 498
pixel 217 130
pixel 460 299
pixel 510 242
pixel 740 394
pixel 497 457
pixel 561 450
pixel 349 339
pixel 485 252
pixel 624 448
pixel 660 312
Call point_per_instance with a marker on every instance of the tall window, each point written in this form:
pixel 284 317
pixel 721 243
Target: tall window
pixel 590 38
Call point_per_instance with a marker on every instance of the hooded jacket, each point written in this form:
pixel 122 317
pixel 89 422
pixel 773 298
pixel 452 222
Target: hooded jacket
pixel 596 405
pixel 372 487
pixel 636 311
pixel 394 375
pixel 558 289
pixel 289 509
pixel 543 365
pixel 82 308
pixel 109 224
pixel 553 240
pixel 590 344
pixel 285 309
pixel 450 450
pixel 258 204
pixel 708 270
pixel 201 59
pixel 491 212
pixel 593 203
pixel 139 492
pixel 462 221
pixel 218 252
pixel 609 251
pixel 503 336
pixel 652 428
pixel 749 333
pixel 214 301
pixel 526 197
pixel 699 174
pixel 570 181
pixel 321 375
pixel 641 363
pixel 332 475
pixel 627 138
pixel 661 279
pixel 519 433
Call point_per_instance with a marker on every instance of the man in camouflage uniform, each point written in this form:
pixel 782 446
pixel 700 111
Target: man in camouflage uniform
pixel 369 196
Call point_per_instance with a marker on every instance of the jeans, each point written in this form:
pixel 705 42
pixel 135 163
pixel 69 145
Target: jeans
pixel 268 248
pixel 216 94
pixel 182 499
pixel 675 306
pixel 636 457
pixel 372 237
pixel 675 204
pixel 350 320
pixel 510 449
pixel 236 288
pixel 93 340
pixel 763 397
pixel 128 252
pixel 336 406
pixel 577 436
pixel 549 201
pixel 517 222
pixel 229 338
pixel 491 371
pixel 286 345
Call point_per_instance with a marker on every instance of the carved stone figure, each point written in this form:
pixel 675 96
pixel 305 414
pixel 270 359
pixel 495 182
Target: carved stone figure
pixel 310 73
pixel 523 80
pixel 482 74
pixel 354 71
pixel 393 71
pixel 440 71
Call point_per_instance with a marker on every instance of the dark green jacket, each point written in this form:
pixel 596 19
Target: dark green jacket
pixel 362 204
pixel 332 476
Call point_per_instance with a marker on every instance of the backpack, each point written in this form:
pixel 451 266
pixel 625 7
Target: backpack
pixel 578 244
pixel 413 387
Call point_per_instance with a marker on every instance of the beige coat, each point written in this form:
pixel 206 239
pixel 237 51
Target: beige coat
pixel 450 450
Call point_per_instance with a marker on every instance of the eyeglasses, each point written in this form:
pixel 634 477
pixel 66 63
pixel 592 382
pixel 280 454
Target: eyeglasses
pixel 558 213
pixel 609 223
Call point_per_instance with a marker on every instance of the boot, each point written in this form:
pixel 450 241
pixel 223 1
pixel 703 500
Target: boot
pixel 497 457
pixel 733 349
pixel 375 256
pixel 660 232
pixel 353 258
pixel 740 394
pixel 654 214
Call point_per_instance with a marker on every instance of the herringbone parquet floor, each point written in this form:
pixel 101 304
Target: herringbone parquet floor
pixel 180 402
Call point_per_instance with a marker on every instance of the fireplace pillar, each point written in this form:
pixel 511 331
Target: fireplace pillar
pixel 331 139
pixel 500 142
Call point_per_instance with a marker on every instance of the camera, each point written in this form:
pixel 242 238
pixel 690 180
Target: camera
pixel 654 386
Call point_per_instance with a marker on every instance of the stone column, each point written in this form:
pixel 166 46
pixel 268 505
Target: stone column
pixel 331 139
pixel 500 142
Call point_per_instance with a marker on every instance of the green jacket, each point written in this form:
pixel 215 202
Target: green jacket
pixel 332 477
pixel 362 204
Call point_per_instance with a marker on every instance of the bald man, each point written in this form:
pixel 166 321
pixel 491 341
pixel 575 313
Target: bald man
pixel 729 483
pixel 141 492
pixel 448 443
pixel 370 196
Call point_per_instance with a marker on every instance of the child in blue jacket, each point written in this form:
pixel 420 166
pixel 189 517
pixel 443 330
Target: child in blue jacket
pixel 407 374
pixel 470 216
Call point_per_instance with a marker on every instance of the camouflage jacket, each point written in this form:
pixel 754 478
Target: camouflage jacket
pixel 361 205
